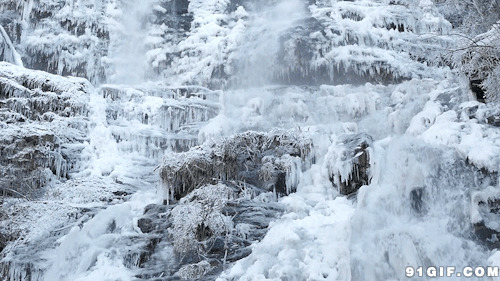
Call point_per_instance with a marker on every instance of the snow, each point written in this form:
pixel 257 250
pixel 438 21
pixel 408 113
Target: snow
pixel 476 142
pixel 371 38
pixel 284 252
pixel 361 68
pixel 209 44
pixel 493 260
pixel 300 246
pixel 206 210
pixel 88 247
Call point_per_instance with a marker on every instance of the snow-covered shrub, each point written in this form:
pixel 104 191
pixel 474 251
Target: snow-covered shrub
pixel 481 64
pixel 216 224
pixel 471 17
pixel 479 59
pixel 477 55
pixel 492 84
pixel 268 160
pixel 197 219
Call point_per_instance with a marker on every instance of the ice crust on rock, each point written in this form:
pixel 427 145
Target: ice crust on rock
pixel 42 117
pixel 272 161
pixel 379 160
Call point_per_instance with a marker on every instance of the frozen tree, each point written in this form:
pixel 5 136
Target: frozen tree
pixel 478 53
pixel 8 52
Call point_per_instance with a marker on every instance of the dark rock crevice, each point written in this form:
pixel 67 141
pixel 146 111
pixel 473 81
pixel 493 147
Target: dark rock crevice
pixel 478 90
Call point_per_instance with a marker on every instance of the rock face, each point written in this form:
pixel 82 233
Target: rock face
pixel 349 163
pixel 494 120
pixel 58 36
pixel 222 194
pixel 169 117
pixel 314 50
pixel 56 124
pixel 83 37
pixel 271 161
pixel 42 117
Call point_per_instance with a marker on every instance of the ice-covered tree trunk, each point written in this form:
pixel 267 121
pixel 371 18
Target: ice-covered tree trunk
pixel 8 52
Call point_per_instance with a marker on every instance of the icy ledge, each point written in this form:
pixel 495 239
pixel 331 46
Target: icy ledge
pixel 43 123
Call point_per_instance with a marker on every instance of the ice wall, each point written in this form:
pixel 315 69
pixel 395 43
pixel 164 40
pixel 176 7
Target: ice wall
pixel 379 161
pixel 217 44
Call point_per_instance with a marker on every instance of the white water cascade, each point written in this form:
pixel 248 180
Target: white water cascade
pixel 338 149
pixel 129 57
pixel 257 57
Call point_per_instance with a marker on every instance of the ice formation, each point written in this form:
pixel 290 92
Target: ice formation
pixel 43 126
pixel 271 161
pixel 240 140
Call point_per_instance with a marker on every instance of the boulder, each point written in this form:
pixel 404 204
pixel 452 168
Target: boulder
pixel 146 225
pixel 215 225
pixel 494 120
pixel 417 200
pixel 348 162
pixel 485 214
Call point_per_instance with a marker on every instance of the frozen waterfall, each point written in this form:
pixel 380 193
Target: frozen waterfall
pixel 240 140
pixel 130 45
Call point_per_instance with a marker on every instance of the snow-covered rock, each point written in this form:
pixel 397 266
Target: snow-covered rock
pixel 43 121
pixel 348 163
pixel 271 161
pixel 425 181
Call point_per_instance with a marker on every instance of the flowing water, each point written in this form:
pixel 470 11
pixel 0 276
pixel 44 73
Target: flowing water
pixel 130 61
